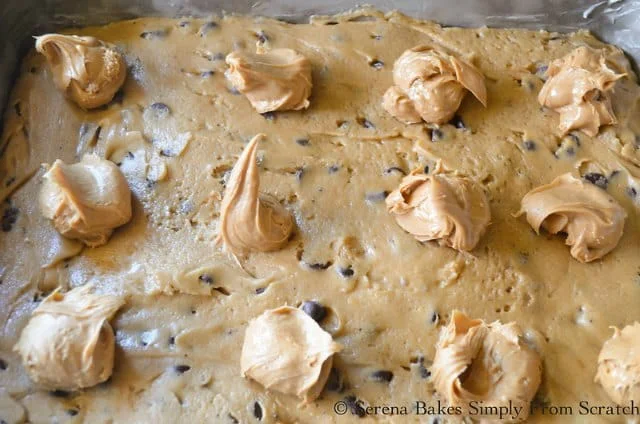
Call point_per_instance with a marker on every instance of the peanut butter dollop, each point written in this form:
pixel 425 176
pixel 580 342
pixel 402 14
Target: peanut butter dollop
pixel 592 219
pixel 429 85
pixel 441 206
pixel 619 365
pixel 87 200
pixel 476 361
pixel 578 87
pixel 68 343
pixel 287 351
pixel 87 70
pixel 250 220
pixel 279 79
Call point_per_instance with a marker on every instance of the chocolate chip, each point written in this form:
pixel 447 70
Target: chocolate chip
pixel 172 340
pixel 529 145
pixel 3 365
pixel 315 310
pixel 335 382
pixel 155 34
pixel 302 141
pixel 299 173
pixel 9 218
pixel 346 272
pixel 262 37
pixel 597 179
pixel 257 411
pixel 160 110
pixel 377 197
pixel 318 266
pixel 377 64
pixel 383 376
pixel 365 122
pixel 632 192
pixel 435 317
pixel 331 23
pixel 60 393
pixel 426 169
pixel 72 412
pixel 181 369
pixel 222 291
pixel 167 153
pixel 375 37
pixel 207 74
pixel 206 278
pixel 355 406
pixel 435 134
pixel 424 372
pixel 260 290
pixel 333 169
pixel 269 116
pixel 395 169
pixel 206 27
pixel 457 122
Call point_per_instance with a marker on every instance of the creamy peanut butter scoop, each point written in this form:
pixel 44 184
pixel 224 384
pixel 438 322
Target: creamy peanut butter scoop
pixel 476 361
pixel 441 206
pixel 287 351
pixel 87 200
pixel 578 87
pixel 592 219
pixel 429 85
pixel 279 79
pixel 619 365
pixel 68 344
pixel 250 220
pixel 87 70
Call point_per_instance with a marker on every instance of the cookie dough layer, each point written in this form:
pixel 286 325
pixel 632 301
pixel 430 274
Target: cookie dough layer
pixel 177 129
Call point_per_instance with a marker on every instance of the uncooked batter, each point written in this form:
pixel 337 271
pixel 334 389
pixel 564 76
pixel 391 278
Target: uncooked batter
pixel 177 127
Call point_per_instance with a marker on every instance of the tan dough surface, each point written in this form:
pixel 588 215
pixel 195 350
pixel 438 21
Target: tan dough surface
pixel 188 302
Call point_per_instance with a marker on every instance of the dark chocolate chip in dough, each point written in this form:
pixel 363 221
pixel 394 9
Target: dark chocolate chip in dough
pixel 260 290
pixel 319 266
pixel 154 35
pixel 3 365
pixel 457 122
pixel 60 393
pixel 167 153
pixel 597 179
pixel 333 169
pixel 355 406
pixel 181 369
pixel 72 412
pixel 315 310
pixel 435 134
pixel 206 278
pixel 383 376
pixel 331 23
pixel 377 197
pixel 395 169
pixel 206 27
pixel 257 411
pixel 346 272
pixel 365 122
pixel 435 317
pixel 632 192
pixel 261 36
pixel 335 382
pixel 426 169
pixel 207 74
pixel 424 372
pixel 302 141
pixel 161 110
pixel 529 145
pixel 376 64
pixel 269 116
pixel 222 290
pixel 376 37
pixel 172 340
pixel 9 218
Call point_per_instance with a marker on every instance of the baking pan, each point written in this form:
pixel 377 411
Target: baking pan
pixel 614 21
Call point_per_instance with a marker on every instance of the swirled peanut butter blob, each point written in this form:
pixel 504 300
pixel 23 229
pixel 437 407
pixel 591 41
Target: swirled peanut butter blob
pixel 483 362
pixel 592 219
pixel 441 206
pixel 278 79
pixel 430 86
pixel 87 70
pixel 578 88
pixel 619 365
pixel 68 343
pixel 287 351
